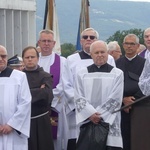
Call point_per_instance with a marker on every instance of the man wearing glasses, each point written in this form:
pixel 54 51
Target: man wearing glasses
pixel 132 65
pixel 15 106
pixel 54 64
pixel 74 63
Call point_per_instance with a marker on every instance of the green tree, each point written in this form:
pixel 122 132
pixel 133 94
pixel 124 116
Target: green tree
pixel 67 49
pixel 119 36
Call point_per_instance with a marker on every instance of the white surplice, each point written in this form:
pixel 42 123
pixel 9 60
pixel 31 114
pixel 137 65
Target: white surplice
pixel 15 110
pixel 144 80
pixel 72 65
pixel 58 101
pixel 100 92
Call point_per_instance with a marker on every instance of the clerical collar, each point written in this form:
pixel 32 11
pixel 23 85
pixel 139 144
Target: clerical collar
pixel 130 58
pixel 84 55
pixel 103 68
pixel 86 52
pixel 44 56
pixel 98 66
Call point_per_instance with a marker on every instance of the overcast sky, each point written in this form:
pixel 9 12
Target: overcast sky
pixel 137 0
pixel 133 0
pixel 41 8
pixel 140 0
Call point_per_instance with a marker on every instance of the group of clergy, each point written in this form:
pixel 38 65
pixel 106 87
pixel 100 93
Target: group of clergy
pixel 88 86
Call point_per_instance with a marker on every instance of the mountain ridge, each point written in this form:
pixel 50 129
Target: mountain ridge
pixel 106 17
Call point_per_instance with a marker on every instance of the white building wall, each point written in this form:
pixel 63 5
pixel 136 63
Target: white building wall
pixel 17 25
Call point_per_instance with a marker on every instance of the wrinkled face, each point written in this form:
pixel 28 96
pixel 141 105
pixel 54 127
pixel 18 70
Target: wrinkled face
pixel 87 39
pixel 30 59
pixel 116 53
pixel 130 46
pixel 3 58
pixel 147 38
pixel 46 43
pixel 99 54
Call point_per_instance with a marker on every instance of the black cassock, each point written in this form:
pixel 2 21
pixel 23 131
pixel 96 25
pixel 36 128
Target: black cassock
pixel 132 71
pixel 6 73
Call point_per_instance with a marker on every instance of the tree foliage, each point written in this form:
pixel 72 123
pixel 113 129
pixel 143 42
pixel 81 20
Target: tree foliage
pixel 119 36
pixel 67 49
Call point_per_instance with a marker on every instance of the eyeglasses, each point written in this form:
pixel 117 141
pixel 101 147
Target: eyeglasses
pixel 85 37
pixel 48 41
pixel 3 56
pixel 129 44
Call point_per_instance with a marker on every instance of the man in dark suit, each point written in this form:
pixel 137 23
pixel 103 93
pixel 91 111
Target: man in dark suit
pixel 132 65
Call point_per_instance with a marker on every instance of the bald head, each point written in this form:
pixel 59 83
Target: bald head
pixel 3 58
pixel 3 48
pixel 98 43
pixel 98 51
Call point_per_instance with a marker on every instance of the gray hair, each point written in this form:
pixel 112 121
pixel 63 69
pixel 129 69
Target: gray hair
pixel 90 29
pixel 46 31
pixel 112 45
pixel 132 35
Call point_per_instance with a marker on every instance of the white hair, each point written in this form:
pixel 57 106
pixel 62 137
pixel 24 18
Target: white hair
pixel 100 42
pixel 90 29
pixel 112 45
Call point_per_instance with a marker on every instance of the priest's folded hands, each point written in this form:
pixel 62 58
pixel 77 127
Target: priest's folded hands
pixel 5 129
pixel 95 118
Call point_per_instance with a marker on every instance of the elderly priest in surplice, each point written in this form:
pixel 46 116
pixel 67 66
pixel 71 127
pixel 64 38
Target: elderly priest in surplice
pixel 98 92
pixel 15 106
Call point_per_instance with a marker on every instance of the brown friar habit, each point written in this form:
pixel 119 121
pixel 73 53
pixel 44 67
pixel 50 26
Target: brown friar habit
pixel 40 133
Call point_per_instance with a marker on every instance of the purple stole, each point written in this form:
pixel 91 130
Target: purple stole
pixel 142 54
pixel 55 71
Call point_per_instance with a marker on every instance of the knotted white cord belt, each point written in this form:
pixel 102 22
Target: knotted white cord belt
pixel 40 115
